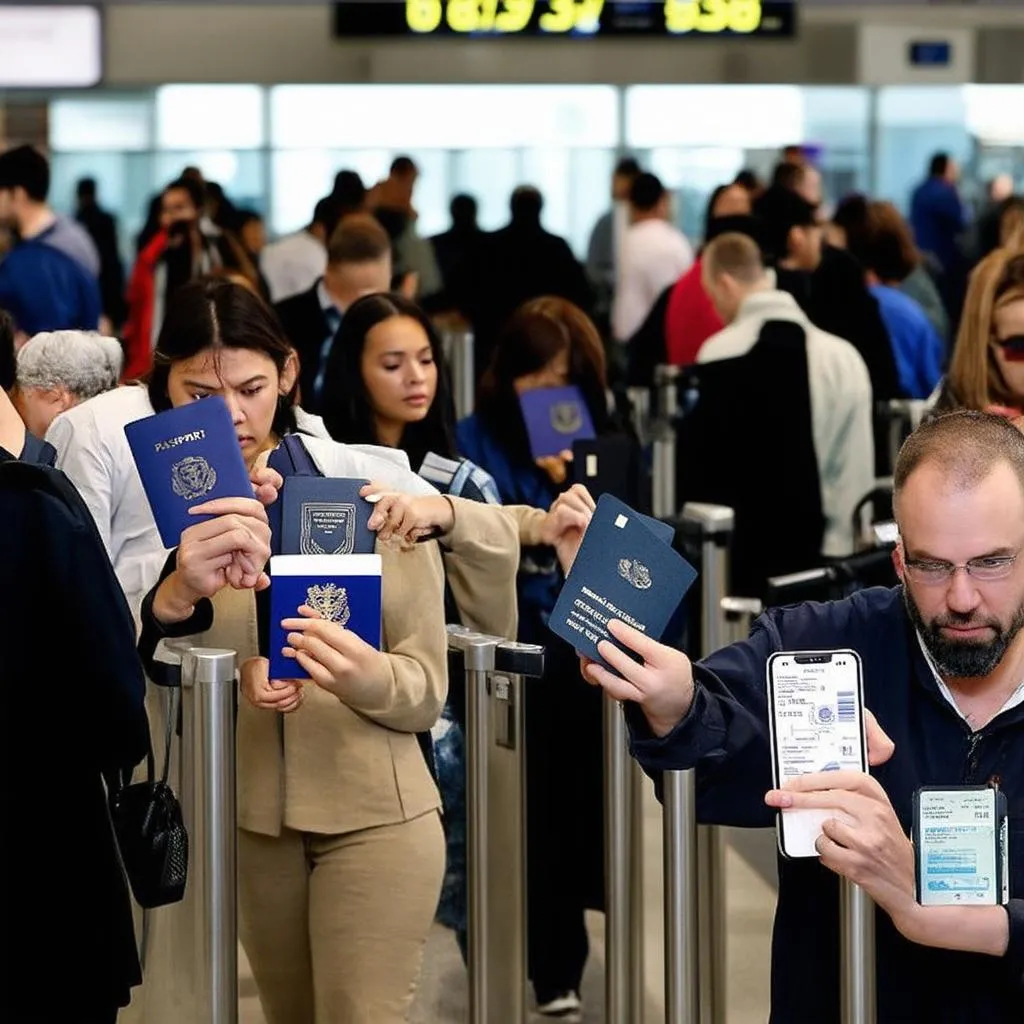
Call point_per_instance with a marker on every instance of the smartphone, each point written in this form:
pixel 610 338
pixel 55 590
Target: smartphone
pixel 960 840
pixel 816 718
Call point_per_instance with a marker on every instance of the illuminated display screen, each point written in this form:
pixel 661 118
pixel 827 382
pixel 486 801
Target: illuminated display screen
pixel 565 18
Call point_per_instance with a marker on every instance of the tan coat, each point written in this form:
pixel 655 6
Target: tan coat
pixel 331 768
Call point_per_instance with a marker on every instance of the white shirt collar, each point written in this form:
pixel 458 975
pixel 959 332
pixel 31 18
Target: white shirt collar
pixel 1015 699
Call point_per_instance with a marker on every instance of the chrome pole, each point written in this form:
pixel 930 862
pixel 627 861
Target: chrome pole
pixel 664 454
pixel 478 657
pixel 682 949
pixel 637 972
pixel 857 950
pixel 459 347
pixel 617 864
pixel 208 755
pixel 715 525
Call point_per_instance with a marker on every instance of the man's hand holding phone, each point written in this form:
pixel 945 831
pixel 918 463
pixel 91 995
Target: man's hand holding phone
pixel 662 684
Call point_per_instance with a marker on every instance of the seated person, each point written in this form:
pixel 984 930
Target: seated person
pixel 943 659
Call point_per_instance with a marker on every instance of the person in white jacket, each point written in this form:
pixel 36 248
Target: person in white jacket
pixel 745 296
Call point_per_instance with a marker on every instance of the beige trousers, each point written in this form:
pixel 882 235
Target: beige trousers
pixel 335 926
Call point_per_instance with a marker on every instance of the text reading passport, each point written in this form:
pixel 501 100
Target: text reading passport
pixel 623 571
pixel 344 589
pixel 186 457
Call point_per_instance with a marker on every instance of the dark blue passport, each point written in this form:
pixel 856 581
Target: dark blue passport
pixel 187 457
pixel 325 516
pixel 555 418
pixel 343 588
pixel 625 571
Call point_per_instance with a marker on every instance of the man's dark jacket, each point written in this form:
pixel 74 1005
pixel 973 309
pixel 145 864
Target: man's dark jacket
pixel 725 735
pixel 303 320
pixel 73 709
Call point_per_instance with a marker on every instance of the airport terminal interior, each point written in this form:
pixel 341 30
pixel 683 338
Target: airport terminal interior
pixel 723 280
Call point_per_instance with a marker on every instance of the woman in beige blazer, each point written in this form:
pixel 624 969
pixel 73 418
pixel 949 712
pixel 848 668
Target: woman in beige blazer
pixel 340 844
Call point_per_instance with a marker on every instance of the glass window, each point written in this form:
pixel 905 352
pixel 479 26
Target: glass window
pixel 914 123
pixel 209 117
pixel 442 116
pixel 93 124
pixel 751 117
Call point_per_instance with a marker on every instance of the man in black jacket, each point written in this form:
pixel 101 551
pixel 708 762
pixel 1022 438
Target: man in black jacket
pixel 358 264
pixel 943 660
pixel 68 642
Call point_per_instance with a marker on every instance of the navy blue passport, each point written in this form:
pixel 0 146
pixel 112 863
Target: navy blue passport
pixel 343 588
pixel 625 571
pixel 325 516
pixel 555 418
pixel 187 457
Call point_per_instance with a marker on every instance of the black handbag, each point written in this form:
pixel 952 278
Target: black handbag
pixel 150 831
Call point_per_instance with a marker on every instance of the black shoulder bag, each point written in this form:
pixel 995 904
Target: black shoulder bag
pixel 150 831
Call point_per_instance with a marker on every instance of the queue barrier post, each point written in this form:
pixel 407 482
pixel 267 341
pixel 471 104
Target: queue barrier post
pixel 713 526
pixel 196 963
pixel 496 672
pixel 460 353
pixel 904 416
pixel 857 952
pixel 666 380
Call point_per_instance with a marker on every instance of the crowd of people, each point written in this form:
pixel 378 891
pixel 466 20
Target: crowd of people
pixel 794 326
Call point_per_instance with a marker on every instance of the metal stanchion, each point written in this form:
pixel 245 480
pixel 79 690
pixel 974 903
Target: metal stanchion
pixel 740 614
pixel 640 406
pixel 193 971
pixel 857 949
pixel 682 948
pixel 496 671
pixel 664 454
pixel 617 820
pixel 714 524
pixel 905 416
pixel 637 937
pixel 459 351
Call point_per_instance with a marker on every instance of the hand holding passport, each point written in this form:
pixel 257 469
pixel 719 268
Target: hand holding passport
pixel 626 569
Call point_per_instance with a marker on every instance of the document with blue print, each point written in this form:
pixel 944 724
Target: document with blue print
pixel 555 418
pixel 325 516
pixel 960 842
pixel 624 570
pixel 186 457
pixel 345 589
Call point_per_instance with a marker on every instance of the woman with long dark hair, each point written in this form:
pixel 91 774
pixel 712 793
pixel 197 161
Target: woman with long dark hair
pixel 341 852
pixel 549 342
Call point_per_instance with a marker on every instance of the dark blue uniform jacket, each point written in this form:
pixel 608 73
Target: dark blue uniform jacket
pixel 725 736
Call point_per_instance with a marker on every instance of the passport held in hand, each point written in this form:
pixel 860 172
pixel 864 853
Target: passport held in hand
pixel 345 589
pixel 325 516
pixel 624 570
pixel 555 418
pixel 187 457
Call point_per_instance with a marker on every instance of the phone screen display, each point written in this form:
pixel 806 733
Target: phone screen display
pixel 816 711
pixel 958 840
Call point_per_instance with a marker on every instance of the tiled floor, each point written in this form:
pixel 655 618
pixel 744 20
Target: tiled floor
pixel 750 903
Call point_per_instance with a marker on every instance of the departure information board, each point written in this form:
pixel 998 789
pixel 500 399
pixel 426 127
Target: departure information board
pixel 580 19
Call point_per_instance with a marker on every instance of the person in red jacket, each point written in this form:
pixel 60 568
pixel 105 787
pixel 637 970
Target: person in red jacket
pixel 186 246
pixel 690 318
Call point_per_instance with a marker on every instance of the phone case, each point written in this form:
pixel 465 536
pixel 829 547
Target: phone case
pixel 780 829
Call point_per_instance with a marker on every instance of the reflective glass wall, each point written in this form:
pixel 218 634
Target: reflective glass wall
pixel 277 149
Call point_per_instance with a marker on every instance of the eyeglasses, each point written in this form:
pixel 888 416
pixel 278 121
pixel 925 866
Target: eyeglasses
pixel 984 570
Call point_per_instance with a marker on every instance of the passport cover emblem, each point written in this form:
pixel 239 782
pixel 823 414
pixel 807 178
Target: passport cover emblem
pixel 330 602
pixel 635 573
pixel 193 477
pixel 327 528
pixel 566 417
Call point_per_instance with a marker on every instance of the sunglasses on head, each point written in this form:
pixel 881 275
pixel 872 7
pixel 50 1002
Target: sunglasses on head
pixel 1013 348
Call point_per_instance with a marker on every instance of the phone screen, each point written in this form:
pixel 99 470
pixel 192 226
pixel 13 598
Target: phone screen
pixel 958 844
pixel 816 712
